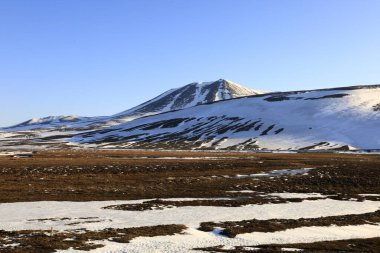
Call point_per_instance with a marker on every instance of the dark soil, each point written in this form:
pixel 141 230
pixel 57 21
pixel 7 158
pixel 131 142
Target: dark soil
pixel 233 228
pixel 161 204
pixel 123 175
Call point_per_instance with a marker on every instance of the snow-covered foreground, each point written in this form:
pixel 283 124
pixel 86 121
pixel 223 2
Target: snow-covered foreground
pixel 90 215
pixel 197 239
pixel 28 215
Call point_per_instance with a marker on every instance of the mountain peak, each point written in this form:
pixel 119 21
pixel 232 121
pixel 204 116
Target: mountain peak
pixel 192 94
pixel 222 80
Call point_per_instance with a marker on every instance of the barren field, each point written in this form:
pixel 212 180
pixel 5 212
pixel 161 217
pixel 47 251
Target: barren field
pixel 151 201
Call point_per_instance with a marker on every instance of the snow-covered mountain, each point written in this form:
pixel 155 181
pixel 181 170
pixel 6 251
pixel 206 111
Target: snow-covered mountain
pixel 174 99
pixel 340 118
pixel 221 115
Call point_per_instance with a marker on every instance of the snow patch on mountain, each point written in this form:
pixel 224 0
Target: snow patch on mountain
pixel 51 119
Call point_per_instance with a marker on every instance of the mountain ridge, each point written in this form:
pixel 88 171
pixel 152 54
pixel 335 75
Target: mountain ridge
pixel 179 97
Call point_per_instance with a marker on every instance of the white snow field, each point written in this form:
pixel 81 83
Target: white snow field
pixel 318 119
pixel 48 215
pixel 195 239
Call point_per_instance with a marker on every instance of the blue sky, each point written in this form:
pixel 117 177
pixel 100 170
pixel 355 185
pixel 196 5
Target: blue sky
pixel 91 57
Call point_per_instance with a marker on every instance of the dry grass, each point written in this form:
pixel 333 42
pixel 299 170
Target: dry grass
pixel 112 175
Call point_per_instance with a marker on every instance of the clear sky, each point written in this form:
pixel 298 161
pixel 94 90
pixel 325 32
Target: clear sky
pixel 92 57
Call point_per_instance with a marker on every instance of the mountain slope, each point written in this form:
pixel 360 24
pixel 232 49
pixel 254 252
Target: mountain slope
pixel 174 99
pixel 190 95
pixel 341 118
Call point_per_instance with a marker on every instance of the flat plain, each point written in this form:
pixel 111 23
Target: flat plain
pixel 180 201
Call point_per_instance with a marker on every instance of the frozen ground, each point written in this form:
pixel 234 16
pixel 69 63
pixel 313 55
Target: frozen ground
pixel 61 216
pixel 47 215
pixel 66 200
pixel 195 239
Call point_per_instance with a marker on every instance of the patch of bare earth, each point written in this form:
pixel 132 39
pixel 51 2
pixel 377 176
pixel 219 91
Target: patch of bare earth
pixel 161 204
pixel 28 241
pixel 233 228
